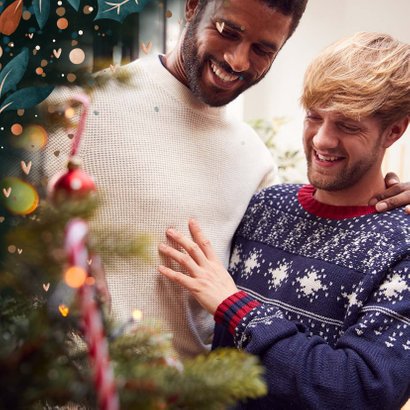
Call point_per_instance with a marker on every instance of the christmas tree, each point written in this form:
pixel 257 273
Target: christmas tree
pixel 58 345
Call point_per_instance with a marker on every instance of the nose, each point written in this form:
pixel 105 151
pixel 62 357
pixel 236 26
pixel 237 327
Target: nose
pixel 238 58
pixel 325 138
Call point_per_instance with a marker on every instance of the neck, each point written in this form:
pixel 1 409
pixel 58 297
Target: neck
pixel 356 195
pixel 173 62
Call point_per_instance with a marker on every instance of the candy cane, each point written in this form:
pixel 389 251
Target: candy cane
pixel 77 253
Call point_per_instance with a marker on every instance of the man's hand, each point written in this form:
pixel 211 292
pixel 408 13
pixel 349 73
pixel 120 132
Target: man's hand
pixel 396 194
pixel 208 281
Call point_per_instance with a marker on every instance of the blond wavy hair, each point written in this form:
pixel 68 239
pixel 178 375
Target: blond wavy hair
pixel 367 74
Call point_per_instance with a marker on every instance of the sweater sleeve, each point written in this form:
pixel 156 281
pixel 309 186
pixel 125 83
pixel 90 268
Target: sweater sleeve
pixel 367 369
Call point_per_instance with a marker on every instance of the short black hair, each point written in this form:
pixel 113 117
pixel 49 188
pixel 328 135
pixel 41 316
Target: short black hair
pixel 293 8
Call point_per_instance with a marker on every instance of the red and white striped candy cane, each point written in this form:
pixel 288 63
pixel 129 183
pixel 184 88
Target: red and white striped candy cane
pixel 76 248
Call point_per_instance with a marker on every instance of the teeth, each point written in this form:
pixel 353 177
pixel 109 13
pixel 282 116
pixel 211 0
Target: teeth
pixel 325 158
pixel 222 74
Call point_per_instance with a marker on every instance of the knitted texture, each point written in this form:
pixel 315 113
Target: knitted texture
pixel 160 157
pixel 333 327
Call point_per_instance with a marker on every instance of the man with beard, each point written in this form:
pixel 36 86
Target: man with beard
pixel 162 150
pixel 320 285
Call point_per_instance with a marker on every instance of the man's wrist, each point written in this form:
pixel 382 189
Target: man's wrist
pixel 234 308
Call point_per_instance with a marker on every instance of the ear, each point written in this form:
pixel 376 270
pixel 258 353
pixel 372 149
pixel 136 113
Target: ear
pixel 190 9
pixel 395 131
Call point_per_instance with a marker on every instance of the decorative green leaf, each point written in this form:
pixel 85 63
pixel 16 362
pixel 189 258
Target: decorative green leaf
pixel 41 11
pixel 75 4
pixel 13 72
pixel 119 9
pixel 26 98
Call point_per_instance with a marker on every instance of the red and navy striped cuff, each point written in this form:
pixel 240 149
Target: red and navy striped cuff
pixel 232 310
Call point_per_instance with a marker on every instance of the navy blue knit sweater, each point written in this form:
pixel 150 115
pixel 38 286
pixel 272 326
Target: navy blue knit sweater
pixel 324 302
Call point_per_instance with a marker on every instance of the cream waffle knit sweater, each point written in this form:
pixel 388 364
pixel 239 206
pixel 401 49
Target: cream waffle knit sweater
pixel 159 157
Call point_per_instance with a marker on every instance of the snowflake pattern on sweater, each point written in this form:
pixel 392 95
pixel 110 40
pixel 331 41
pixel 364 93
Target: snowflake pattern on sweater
pixel 341 282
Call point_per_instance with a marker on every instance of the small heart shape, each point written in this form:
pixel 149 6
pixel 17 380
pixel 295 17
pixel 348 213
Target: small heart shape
pixel 19 251
pixel 25 167
pixel 7 192
pixel 46 286
pixel 90 261
pixel 71 136
pixel 57 53
pixel 63 310
pixel 146 48
pixel 30 35
pixel 56 153
pixel 220 26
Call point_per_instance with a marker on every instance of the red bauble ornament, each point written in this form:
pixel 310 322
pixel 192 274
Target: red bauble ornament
pixel 72 184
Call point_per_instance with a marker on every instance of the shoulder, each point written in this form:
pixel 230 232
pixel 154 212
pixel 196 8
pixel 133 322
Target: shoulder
pixel 116 81
pixel 242 142
pixel 278 194
pixel 110 79
pixel 62 94
pixel 242 130
pixel 140 68
pixel 268 203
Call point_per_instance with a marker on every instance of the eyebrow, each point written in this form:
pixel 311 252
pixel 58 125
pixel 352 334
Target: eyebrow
pixel 341 117
pixel 232 25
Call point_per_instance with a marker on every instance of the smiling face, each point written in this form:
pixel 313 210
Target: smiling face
pixel 344 155
pixel 230 46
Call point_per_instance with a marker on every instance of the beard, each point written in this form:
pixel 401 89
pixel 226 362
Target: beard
pixel 195 64
pixel 345 178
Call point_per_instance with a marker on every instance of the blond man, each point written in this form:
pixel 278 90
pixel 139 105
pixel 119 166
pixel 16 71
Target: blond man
pixel 320 286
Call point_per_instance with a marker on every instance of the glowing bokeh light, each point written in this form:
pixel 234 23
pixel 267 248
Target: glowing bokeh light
pixel 23 198
pixel 33 138
pixel 137 315
pixel 16 129
pixel 75 276
pixel 90 281
pixel 64 310
pixel 71 77
pixel 77 56
pixel 62 23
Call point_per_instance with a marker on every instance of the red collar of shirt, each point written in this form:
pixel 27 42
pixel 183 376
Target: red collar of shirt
pixel 311 205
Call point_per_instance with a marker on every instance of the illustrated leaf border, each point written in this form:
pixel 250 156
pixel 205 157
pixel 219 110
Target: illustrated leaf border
pixel 41 9
pixel 26 98
pixel 16 68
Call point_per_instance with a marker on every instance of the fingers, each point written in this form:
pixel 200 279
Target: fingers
pixel 201 240
pixel 182 259
pixel 391 178
pixel 393 197
pixel 394 202
pixel 191 247
pixel 200 254
pixel 176 277
pixel 393 190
